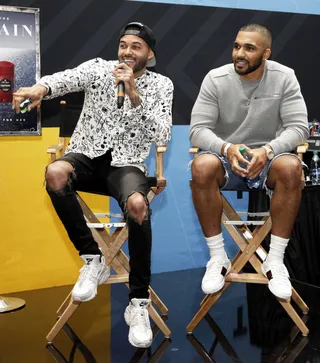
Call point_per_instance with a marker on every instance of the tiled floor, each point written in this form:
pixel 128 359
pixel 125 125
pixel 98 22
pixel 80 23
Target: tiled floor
pixel 247 325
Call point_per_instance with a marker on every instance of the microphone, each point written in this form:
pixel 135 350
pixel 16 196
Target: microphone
pixel 121 88
pixel 120 99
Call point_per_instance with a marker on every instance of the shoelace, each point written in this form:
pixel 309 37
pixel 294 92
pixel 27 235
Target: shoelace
pixel 279 272
pixel 140 317
pixel 88 272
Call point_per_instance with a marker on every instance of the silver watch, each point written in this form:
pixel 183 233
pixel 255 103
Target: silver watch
pixel 269 152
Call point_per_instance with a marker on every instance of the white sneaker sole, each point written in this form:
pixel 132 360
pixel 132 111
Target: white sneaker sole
pixel 139 345
pixel 130 338
pixel 219 287
pixel 84 298
pixel 279 296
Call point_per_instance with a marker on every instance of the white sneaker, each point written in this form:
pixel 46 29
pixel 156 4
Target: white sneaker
pixel 278 276
pixel 95 272
pixel 136 316
pixel 214 278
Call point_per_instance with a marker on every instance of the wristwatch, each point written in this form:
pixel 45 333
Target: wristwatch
pixel 269 152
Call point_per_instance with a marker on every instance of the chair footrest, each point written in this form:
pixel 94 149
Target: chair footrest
pixel 106 225
pixel 247 223
pixel 247 277
pixel 254 214
pixel 108 215
pixel 115 279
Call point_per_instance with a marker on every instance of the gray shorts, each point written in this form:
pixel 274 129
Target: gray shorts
pixel 236 182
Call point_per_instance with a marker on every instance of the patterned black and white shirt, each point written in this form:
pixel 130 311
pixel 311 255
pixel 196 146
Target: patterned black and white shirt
pixel 128 131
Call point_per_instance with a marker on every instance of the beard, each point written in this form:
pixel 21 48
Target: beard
pixel 251 68
pixel 139 63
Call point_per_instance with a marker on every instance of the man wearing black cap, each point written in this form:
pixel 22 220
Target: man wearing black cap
pixel 109 145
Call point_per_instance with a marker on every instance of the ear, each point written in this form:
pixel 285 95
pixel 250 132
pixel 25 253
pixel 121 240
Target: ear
pixel 150 54
pixel 267 53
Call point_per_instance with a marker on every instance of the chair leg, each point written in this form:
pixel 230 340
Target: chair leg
pixel 62 320
pixel 64 305
pixel 204 299
pixel 298 300
pixel 294 316
pixel 159 322
pixel 158 302
pixel 208 302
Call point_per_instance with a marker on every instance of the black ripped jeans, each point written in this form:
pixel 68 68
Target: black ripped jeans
pixel 97 175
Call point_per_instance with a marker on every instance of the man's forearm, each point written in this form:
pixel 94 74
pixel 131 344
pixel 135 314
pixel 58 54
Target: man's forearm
pixel 289 140
pixel 135 99
pixel 206 139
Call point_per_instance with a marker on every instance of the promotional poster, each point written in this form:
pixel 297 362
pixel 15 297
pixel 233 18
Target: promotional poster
pixel 19 67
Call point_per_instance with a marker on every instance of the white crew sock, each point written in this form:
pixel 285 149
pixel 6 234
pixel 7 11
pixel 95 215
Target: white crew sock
pixel 216 246
pixel 277 248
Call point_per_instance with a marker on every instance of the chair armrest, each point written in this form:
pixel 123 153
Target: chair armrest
pixel 53 149
pixel 159 162
pixel 302 149
pixel 194 150
pixel 161 149
pixel 60 147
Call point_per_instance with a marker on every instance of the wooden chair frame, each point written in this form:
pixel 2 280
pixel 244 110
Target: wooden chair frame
pixel 251 251
pixel 111 247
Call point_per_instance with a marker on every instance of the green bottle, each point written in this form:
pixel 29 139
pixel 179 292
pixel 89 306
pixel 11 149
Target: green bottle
pixel 251 183
pixel 24 105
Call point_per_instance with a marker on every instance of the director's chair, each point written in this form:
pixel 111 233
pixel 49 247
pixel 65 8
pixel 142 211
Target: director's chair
pixel 251 251
pixel 110 243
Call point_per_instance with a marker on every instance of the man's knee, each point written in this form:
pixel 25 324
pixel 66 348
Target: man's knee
pixel 137 207
pixel 205 169
pixel 289 171
pixel 57 175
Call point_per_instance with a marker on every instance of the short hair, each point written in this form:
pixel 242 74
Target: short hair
pixel 259 29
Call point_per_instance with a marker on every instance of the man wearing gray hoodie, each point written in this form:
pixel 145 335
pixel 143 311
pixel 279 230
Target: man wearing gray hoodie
pixel 255 104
